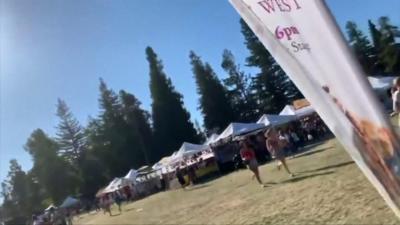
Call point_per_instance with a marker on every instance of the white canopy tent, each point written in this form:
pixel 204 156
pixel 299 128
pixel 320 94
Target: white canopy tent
pixel 289 110
pixel 52 206
pixel 116 184
pixel 187 150
pixel 275 120
pixel 211 139
pixel 69 202
pixel 131 175
pixel 382 86
pixel 235 129
pixel 381 83
pixel 162 164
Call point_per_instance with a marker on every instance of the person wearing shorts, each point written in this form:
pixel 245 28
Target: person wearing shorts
pixel 275 146
pixel 249 157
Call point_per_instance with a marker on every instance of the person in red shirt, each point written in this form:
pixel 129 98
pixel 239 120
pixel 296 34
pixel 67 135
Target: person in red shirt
pixel 249 157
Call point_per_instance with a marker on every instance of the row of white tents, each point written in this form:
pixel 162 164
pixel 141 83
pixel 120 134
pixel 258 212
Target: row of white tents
pixel 288 114
pixel 187 150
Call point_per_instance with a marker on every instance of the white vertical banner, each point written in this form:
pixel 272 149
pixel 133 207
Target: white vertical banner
pixel 305 40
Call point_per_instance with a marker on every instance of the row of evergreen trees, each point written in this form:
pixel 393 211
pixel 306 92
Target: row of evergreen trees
pixel 381 54
pixel 80 160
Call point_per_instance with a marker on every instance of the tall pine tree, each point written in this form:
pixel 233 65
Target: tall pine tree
pixel 171 121
pixel 362 48
pixel 238 85
pixel 53 173
pixel 95 166
pixel 390 54
pixel 17 191
pixel 112 126
pixel 115 136
pixel 137 120
pixel 70 134
pixel 200 132
pixel 273 88
pixel 214 102
pixel 376 37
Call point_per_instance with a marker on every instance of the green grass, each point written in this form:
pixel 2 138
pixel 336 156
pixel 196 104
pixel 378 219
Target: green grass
pixel 328 189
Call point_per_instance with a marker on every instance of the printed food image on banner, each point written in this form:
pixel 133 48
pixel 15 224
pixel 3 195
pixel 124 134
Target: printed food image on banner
pixel 379 144
pixel 305 40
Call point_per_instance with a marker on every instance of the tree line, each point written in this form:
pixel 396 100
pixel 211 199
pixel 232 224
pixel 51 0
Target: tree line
pixel 79 160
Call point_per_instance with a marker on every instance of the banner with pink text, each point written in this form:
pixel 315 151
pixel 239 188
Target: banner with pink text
pixel 305 40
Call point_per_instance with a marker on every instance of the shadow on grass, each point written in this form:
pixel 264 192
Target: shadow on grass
pixel 192 188
pixel 300 178
pixel 208 178
pixel 312 152
pixel 328 167
pixel 270 183
pixel 309 146
pixel 130 209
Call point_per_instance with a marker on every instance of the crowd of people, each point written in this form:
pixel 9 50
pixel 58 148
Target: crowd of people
pixel 54 217
pixel 123 194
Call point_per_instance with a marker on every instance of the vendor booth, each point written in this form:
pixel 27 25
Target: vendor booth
pixel 236 129
pixel 199 158
pixel 290 110
pixel 275 120
pixel 382 87
pixel 211 139
pixel 70 202
pixel 131 175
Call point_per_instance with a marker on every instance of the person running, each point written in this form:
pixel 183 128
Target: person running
pixel 396 95
pixel 179 176
pixel 295 140
pixel 68 218
pixel 106 204
pixel 35 220
pixel 118 200
pixel 276 148
pixel 395 118
pixel 283 137
pixel 249 157
pixel 192 175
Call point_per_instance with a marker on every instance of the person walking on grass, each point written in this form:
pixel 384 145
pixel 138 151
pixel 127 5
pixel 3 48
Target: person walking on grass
pixel 249 157
pixel 107 202
pixel 276 147
pixel 179 176
pixel 118 199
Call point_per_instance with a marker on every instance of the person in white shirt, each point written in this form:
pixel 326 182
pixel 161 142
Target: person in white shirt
pixel 395 115
pixel 396 95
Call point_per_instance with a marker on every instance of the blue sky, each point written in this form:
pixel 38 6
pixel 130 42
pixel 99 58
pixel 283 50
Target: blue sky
pixel 60 48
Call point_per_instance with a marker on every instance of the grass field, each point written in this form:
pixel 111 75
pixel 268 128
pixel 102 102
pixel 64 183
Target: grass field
pixel 328 189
